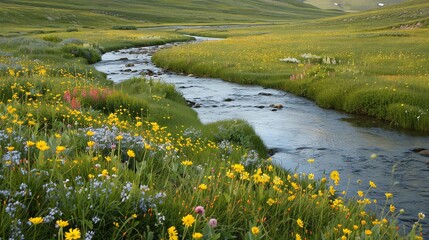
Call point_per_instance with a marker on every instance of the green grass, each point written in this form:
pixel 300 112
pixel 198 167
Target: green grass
pixel 376 69
pixel 132 161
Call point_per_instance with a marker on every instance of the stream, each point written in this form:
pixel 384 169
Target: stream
pixel 301 130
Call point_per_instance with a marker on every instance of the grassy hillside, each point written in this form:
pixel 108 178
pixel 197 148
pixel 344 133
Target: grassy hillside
pixel 373 63
pixel 78 12
pixel 351 5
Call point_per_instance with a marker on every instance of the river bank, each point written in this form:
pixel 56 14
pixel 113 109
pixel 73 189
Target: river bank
pixel 300 131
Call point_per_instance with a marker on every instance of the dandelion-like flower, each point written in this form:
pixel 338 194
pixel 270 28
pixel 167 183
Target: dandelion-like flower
pixel 368 232
pixel 300 223
pixel 238 167
pixel 90 144
pixel 372 184
pixel 421 216
pixel 73 234
pixel 392 208
pixel 202 186
pixel 60 149
pixel 42 146
pixel 188 220
pixel 298 237
pixel 197 235
pixel 255 230
pixel 60 223
pixel 388 195
pixel 187 163
pixel 36 220
pixel 335 176
pixel 172 233
pixel 30 143
pixel 131 153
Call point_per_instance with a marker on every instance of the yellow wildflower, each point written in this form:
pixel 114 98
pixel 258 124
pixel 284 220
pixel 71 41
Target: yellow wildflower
pixel 42 146
pixel 372 184
pixel 300 223
pixel 131 153
pixel 61 223
pixel 188 220
pixel 172 233
pixel 368 232
pixel 388 195
pixel 335 176
pixel 73 234
pixel 197 235
pixel 36 220
pixel 255 230
pixel 202 186
pixel 187 163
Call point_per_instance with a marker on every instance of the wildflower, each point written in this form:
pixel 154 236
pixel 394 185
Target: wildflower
pixel 119 137
pixel 347 231
pixel 57 135
pixel 134 216
pixel 238 168
pixel 42 146
pixel 360 193
pixel 187 163
pixel 131 153
pixel 298 237
pixel 392 208
pixel 311 176
pixel 36 220
pixel 335 176
pixel 138 124
pixel 213 222
pixel 199 210
pixel 255 230
pixel 271 201
pixel 421 216
pixel 91 176
pixel 60 149
pixel 105 173
pixel 311 160
pixel 202 186
pixel 90 133
pixel 30 143
pixel 197 235
pixel 73 234
pixel 188 220
pixel 373 156
pixel 355 227
pixel 10 148
pixel 300 223
pixel 388 195
pixel 172 233
pixel 61 223
pixel 368 232
pixel 90 144
pixel 116 224
pixel 372 184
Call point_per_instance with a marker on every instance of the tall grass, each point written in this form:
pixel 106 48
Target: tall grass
pixel 336 68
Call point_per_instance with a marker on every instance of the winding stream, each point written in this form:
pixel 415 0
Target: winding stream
pixel 300 131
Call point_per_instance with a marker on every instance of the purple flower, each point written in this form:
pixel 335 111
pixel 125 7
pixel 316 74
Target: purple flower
pixel 213 222
pixel 199 210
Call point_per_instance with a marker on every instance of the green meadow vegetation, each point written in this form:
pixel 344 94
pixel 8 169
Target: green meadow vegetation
pixel 340 63
pixel 84 158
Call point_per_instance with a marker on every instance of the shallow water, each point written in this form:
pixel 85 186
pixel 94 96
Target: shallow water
pixel 301 130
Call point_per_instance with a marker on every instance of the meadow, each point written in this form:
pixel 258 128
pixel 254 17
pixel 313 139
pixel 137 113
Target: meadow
pixel 83 158
pixel 354 63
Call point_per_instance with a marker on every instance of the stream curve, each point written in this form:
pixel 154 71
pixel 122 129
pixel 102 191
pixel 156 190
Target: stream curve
pixel 301 130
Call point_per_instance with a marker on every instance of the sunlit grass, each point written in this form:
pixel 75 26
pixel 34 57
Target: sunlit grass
pixel 348 71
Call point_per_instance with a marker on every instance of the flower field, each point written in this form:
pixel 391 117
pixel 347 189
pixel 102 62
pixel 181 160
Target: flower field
pixel 81 158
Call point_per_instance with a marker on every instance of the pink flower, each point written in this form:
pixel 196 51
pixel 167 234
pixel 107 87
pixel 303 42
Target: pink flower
pixel 199 210
pixel 213 222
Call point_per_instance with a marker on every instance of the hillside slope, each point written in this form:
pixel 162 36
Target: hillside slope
pixel 162 11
